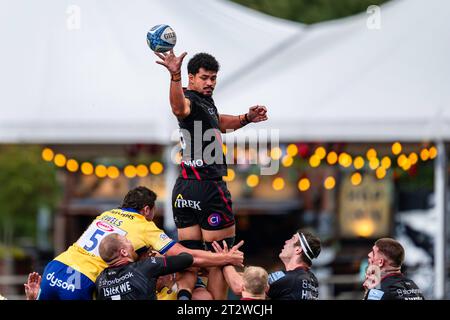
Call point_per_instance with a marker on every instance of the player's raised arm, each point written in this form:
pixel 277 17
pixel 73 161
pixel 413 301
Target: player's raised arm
pixel 232 277
pixel 180 105
pixel 255 114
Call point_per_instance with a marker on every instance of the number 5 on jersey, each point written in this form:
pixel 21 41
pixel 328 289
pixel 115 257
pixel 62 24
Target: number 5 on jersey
pixel 92 237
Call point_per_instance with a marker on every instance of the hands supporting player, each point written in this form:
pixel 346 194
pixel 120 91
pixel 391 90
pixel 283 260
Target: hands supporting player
pixel 170 61
pixel 257 113
pixel 233 252
pixel 167 281
pixel 32 286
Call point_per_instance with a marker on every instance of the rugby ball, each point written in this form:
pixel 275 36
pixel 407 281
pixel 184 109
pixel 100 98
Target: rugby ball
pixel 161 38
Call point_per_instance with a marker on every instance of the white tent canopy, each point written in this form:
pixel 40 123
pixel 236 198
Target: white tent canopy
pixel 342 81
pixel 81 72
pixel 332 81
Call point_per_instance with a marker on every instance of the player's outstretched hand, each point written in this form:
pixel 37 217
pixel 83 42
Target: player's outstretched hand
pixel 236 257
pixel 257 113
pixel 217 247
pixel 170 61
pixel 32 286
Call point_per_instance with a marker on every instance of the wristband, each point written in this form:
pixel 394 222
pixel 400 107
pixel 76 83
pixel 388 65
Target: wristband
pixel 175 77
pixel 243 120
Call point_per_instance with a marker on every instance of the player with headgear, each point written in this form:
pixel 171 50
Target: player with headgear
pixel 297 282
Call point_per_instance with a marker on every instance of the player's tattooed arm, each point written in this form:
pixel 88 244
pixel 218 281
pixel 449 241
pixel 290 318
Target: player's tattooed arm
pixel 180 105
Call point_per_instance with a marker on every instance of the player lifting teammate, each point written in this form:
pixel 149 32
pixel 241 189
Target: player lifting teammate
pixel 72 274
pixel 202 205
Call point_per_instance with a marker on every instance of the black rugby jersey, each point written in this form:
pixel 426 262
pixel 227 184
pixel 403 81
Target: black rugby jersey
pixel 395 287
pixel 298 284
pixel 199 159
pixel 137 280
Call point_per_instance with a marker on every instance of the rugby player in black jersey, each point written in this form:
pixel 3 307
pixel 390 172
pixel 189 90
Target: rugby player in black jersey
pixel 384 279
pixel 202 205
pixel 129 279
pixel 297 282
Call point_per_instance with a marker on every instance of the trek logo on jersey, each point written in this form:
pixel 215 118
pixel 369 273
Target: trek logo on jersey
pixel 214 219
pixel 55 282
pixel 104 226
pixel 181 203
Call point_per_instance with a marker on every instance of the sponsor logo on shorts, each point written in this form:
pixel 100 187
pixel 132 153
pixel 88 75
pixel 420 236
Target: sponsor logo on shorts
pixel 182 203
pixel 214 219
pixel 55 282
pixel 104 226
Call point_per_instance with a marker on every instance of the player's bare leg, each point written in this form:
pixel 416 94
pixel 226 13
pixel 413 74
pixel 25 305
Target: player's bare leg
pixel 186 280
pixel 201 294
pixel 217 285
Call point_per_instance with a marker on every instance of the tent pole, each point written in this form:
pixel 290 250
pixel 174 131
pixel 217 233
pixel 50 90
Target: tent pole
pixel 440 190
pixel 170 176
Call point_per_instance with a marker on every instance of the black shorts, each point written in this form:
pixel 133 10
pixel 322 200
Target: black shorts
pixel 206 203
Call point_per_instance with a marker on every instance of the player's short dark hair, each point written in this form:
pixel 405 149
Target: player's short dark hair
pixel 314 244
pixel 138 198
pixel 392 249
pixel 202 60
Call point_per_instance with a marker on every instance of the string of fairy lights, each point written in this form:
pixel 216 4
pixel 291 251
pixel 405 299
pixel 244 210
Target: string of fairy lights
pixel 100 170
pixel 370 161
pixel 379 165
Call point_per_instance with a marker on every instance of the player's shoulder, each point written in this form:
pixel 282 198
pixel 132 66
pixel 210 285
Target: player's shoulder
pixel 151 226
pixel 375 294
pixel 151 261
pixel 191 95
pixel 401 287
pixel 300 273
pixel 156 234
pixel 297 273
pixel 394 281
pixel 276 276
pixel 150 265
